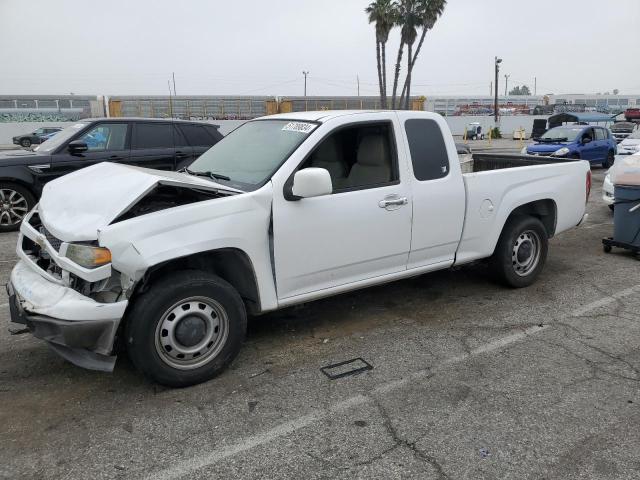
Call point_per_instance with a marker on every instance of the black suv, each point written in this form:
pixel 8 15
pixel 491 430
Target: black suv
pixel 34 138
pixel 144 142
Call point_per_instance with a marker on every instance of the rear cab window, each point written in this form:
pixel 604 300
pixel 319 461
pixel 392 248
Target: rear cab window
pixel 427 148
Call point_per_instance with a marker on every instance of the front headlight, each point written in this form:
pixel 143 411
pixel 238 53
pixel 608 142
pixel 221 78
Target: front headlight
pixel 560 152
pixel 523 151
pixel 88 256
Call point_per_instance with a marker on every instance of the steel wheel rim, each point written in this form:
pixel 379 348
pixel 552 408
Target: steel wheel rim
pixel 13 207
pixel 525 254
pixel 206 311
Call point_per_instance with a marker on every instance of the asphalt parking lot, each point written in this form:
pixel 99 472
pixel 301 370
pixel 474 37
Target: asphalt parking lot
pixel 469 380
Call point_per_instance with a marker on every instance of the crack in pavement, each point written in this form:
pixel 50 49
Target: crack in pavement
pixel 399 441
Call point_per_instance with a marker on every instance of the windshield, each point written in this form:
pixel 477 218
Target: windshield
pixel 564 134
pixel 249 155
pixel 61 137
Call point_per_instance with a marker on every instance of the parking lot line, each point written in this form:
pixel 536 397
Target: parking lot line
pixel 188 466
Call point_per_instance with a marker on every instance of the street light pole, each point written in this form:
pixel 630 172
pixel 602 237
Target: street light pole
pixel 506 84
pixel 305 73
pixel 497 63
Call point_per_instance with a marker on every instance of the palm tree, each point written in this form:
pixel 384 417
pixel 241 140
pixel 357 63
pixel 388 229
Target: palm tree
pixel 382 13
pixel 407 19
pixel 428 11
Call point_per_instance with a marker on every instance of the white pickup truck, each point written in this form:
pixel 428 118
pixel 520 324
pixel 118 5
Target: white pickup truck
pixel 284 210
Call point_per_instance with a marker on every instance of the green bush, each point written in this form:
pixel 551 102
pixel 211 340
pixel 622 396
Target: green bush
pixel 495 133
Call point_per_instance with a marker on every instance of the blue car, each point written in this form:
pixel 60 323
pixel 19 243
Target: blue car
pixel 586 142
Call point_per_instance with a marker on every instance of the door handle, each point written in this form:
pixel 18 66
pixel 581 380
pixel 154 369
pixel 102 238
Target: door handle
pixel 181 155
pixel 116 157
pixel 392 201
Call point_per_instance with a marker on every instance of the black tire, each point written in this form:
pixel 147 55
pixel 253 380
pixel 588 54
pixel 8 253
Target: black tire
pixel 25 142
pixel 612 207
pixel 144 328
pixel 608 163
pixel 606 248
pixel 504 263
pixel 15 202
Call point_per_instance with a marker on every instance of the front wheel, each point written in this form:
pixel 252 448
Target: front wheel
pixel 186 328
pixel 608 163
pixel 25 142
pixel 521 252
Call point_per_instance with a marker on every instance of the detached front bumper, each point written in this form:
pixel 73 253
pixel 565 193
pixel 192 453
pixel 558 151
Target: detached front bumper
pixel 76 327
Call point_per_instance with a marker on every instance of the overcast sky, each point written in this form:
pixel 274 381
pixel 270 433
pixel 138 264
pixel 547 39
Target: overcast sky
pixel 261 47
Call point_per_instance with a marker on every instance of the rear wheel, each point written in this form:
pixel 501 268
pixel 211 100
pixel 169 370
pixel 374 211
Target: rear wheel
pixel 15 202
pixel 186 329
pixel 521 252
pixel 25 142
pixel 608 163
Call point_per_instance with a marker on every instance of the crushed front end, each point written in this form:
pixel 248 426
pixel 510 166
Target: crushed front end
pixel 67 294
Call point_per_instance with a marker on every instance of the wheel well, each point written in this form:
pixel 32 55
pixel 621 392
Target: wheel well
pixel 230 264
pixel 17 181
pixel 544 210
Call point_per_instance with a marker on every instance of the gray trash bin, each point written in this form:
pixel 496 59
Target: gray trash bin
pixel 626 224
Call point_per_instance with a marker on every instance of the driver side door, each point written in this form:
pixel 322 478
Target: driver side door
pixel 588 151
pixel 360 231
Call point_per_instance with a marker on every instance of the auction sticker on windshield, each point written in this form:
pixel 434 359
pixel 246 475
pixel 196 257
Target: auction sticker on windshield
pixel 300 127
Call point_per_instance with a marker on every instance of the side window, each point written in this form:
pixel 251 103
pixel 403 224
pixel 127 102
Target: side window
pixel 357 157
pixel 428 150
pixel 152 135
pixel 588 133
pixel 105 137
pixel 600 135
pixel 197 136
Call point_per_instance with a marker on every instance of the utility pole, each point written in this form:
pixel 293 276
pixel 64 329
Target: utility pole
pixel 497 63
pixel 305 73
pixel 506 84
pixel 535 85
pixel 491 88
pixel 174 83
pixel 358 80
pixel 170 101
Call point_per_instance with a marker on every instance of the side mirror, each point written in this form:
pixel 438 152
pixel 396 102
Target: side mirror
pixel 309 182
pixel 77 146
pixel 586 140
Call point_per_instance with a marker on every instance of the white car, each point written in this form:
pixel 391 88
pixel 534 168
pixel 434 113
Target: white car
pixel 630 145
pixel 284 210
pixel 607 186
pixel 607 191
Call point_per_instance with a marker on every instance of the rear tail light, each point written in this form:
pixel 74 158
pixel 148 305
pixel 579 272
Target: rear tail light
pixel 588 186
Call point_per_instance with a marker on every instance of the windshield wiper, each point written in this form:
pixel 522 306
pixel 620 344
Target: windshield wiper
pixel 209 174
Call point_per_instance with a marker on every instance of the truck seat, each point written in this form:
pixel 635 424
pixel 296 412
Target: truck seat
pixel 373 163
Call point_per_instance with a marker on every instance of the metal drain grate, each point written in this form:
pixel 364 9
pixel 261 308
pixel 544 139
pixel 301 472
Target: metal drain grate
pixel 346 368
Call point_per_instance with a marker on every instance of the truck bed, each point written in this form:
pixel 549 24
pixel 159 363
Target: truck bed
pixel 482 162
pixel 496 185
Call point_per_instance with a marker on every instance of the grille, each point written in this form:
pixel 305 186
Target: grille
pixel 55 242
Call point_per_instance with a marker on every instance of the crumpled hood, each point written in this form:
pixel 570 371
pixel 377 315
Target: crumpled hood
pixel 76 206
